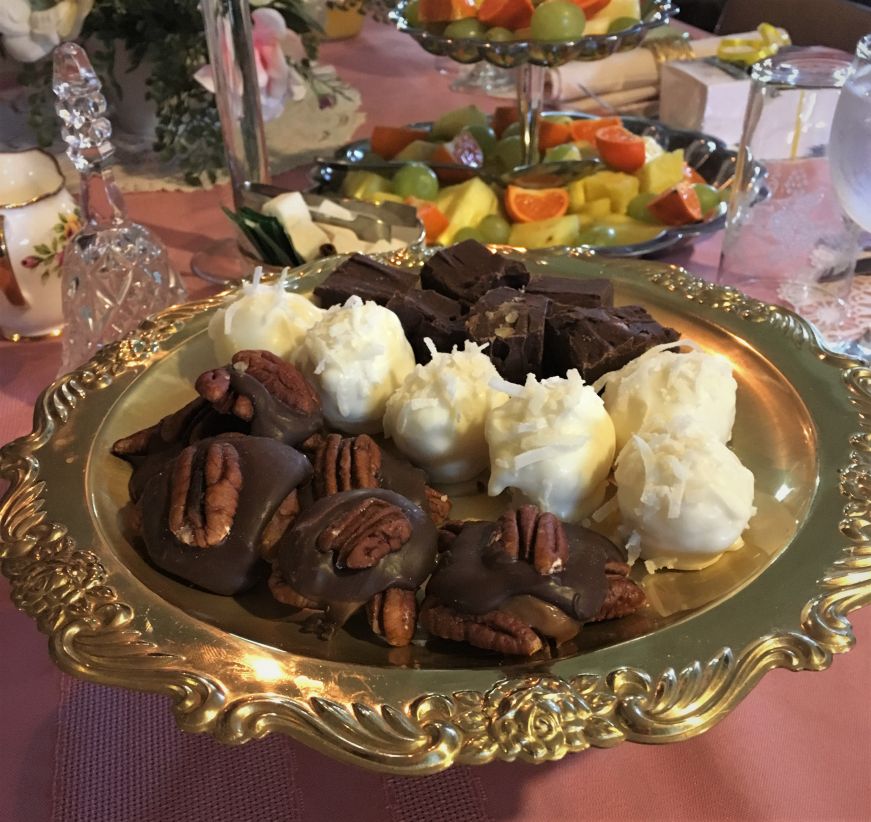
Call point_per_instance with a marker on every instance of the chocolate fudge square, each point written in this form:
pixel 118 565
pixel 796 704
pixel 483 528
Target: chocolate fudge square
pixel 468 270
pixel 368 279
pixel 513 325
pixel 429 314
pixel 598 340
pixel 571 291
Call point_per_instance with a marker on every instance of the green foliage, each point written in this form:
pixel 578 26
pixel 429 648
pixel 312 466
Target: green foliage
pixel 169 36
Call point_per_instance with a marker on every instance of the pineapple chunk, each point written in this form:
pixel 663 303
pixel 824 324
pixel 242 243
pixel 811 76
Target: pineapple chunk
pixel 361 185
pixel 598 23
pixel 379 197
pixel 618 187
pixel 577 197
pixel 598 208
pixel 545 233
pixel 465 204
pixel 662 172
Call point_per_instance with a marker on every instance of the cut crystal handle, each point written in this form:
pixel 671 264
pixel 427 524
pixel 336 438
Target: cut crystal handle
pixel 81 107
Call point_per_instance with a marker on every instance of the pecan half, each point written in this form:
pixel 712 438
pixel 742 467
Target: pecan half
pixel 623 597
pixel 536 537
pixel 345 464
pixel 281 520
pixel 438 505
pixel 493 631
pixel 171 428
pixel 393 615
pixel 286 595
pixel 364 534
pixel 281 379
pixel 204 494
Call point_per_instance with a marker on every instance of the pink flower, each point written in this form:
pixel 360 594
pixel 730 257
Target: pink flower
pixel 273 43
pixel 31 262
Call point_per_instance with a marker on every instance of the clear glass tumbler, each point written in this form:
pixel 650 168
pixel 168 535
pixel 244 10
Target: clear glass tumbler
pixel 788 240
pixel 851 139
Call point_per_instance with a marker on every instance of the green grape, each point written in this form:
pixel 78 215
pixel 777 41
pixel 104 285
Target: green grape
pixel 470 28
pixel 451 123
pixel 416 180
pixel 468 233
pixel 567 151
pixel 511 130
pixel 412 14
pixel 709 197
pixel 485 137
pixel 494 229
pixel 597 235
pixel 621 24
pixel 508 152
pixel 637 208
pixel 631 232
pixel 499 35
pixel 562 119
pixel 558 20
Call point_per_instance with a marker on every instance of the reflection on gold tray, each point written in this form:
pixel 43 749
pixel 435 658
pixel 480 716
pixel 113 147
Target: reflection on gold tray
pixel 238 670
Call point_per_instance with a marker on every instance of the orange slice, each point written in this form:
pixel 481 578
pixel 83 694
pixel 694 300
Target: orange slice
pixel 585 129
pixel 528 205
pixel 677 206
pixel 552 134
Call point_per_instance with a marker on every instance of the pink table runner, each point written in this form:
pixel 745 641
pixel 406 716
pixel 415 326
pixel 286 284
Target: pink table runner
pixel 797 748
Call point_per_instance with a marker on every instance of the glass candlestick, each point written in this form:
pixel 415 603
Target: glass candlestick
pixel 115 272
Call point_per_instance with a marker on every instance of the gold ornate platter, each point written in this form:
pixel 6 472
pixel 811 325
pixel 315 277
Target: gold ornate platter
pixel 237 670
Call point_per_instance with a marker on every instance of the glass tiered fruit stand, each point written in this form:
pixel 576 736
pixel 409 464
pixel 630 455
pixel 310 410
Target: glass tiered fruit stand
pixel 531 57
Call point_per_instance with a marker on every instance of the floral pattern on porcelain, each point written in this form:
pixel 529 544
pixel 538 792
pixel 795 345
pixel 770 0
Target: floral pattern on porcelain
pixel 50 257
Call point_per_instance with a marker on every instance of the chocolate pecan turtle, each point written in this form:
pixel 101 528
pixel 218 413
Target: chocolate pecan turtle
pixel 210 514
pixel 527 580
pixel 365 547
pixel 270 395
pixel 352 463
pixel 258 393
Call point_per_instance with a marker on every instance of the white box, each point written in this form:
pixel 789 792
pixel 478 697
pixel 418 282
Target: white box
pixel 701 96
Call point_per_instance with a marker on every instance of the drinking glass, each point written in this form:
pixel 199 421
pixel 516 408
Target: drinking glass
pixel 787 238
pixel 851 139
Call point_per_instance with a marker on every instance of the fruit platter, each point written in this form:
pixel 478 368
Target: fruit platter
pixel 641 187
pixel 511 33
pixel 519 33
pixel 329 623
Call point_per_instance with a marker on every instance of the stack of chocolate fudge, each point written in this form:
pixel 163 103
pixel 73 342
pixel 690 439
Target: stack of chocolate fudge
pixel 541 324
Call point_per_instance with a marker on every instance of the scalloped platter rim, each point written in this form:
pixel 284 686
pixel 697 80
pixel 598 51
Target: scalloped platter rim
pixel 111 620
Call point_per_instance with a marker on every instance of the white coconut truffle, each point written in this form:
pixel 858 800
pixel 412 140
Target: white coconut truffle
pixel 686 496
pixel 660 386
pixel 356 357
pixel 554 442
pixel 436 417
pixel 262 317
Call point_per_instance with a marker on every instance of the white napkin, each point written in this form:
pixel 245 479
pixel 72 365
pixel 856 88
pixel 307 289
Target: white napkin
pixel 619 72
pixel 609 102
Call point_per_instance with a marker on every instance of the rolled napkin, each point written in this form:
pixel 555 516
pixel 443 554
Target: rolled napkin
pixel 622 101
pixel 628 70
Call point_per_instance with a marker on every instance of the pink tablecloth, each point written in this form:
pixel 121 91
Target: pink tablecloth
pixel 799 747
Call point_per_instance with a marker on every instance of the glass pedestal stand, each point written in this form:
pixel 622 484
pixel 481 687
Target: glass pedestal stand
pixel 530 104
pixel 231 55
pixel 485 78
